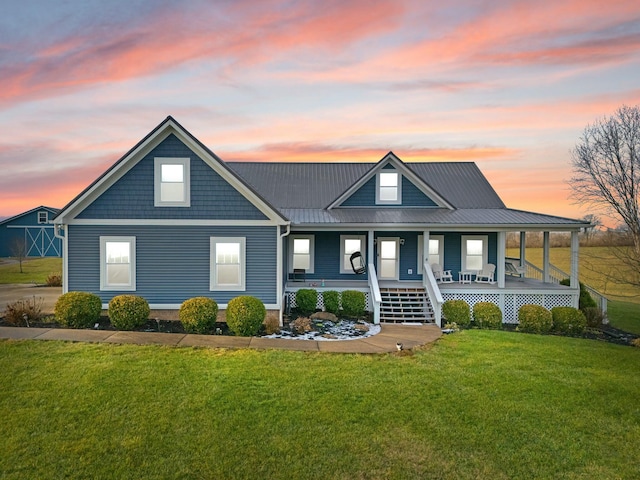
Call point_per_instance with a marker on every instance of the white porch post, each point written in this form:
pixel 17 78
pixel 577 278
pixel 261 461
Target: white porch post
pixel 502 246
pixel 545 257
pixel 575 247
pixel 523 248
pixel 370 248
pixel 425 249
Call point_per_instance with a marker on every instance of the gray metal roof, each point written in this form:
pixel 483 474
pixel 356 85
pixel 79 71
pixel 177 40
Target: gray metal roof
pixel 470 217
pixel 316 185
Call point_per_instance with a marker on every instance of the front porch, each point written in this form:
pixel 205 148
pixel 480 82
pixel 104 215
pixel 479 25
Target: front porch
pixel 515 293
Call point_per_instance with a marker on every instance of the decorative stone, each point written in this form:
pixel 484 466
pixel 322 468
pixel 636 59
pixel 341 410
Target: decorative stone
pixel 324 316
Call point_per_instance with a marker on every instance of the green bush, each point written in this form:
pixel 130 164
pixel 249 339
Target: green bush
pixel 245 315
pixel 353 303
pixel 586 300
pixel 487 315
pixel 331 300
pixel 78 309
pixel 306 300
pixel 457 311
pixel 568 320
pixel 534 319
pixel 127 312
pixel 198 314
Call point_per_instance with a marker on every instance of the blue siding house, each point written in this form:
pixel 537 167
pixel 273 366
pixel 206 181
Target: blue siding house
pixel 34 231
pixel 170 220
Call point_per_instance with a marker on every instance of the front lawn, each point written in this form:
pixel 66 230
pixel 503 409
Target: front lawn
pixel 477 404
pixel 34 270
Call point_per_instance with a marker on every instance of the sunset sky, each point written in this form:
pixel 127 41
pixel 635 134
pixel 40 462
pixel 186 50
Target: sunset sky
pixel 509 85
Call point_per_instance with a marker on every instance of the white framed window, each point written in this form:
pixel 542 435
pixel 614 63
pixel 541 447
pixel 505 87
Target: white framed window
pixel 172 182
pixel 118 263
pixel 436 251
pixel 43 217
pixel 388 187
pixel 475 251
pixel 301 248
pixel 228 260
pixel 350 244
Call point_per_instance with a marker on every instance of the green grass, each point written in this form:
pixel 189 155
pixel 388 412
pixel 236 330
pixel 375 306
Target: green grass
pixel 35 270
pixel 625 316
pixel 478 404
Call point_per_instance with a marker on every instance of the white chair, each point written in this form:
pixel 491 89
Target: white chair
pixel 443 276
pixel 486 274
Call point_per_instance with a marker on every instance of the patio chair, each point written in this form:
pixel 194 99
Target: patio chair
pixel 357 263
pixel 441 276
pixel 486 274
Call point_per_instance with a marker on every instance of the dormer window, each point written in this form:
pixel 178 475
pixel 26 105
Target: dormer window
pixel 388 187
pixel 43 217
pixel 172 185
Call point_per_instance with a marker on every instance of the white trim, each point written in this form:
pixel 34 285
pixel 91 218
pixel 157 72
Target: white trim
pixel 398 187
pixel 312 248
pixel 174 222
pixel 213 285
pixel 363 250
pixel 46 217
pixel 131 286
pixel 427 257
pixel 463 249
pixel 158 163
pixel 65 260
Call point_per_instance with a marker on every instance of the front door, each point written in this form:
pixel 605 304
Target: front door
pixel 388 258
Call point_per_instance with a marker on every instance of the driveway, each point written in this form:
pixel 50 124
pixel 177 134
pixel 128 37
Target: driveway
pixel 13 292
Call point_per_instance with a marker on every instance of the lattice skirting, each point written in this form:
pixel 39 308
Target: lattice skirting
pixel 510 303
pixel 291 300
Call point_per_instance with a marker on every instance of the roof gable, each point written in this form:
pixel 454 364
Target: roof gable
pixel 362 192
pixel 51 210
pixel 210 166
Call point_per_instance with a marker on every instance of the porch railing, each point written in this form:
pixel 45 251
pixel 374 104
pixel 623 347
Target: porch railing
pixel 556 275
pixel 435 295
pixel 376 297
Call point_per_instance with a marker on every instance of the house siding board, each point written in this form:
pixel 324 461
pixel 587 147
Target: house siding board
pixel 365 196
pixel 409 257
pixel 413 197
pixel 173 263
pixel 327 256
pixel 453 249
pixel 132 196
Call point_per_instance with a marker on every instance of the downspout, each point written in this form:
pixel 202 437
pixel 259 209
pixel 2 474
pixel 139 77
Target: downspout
pixel 280 263
pixel 63 238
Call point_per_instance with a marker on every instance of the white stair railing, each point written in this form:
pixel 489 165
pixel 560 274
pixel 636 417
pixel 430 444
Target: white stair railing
pixel 435 296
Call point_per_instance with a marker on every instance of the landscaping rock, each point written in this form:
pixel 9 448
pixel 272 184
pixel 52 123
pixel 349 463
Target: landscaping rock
pixel 324 316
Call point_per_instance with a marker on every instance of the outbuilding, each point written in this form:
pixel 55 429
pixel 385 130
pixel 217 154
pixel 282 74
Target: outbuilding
pixel 32 230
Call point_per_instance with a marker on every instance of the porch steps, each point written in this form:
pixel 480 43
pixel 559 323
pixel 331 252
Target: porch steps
pixel 405 304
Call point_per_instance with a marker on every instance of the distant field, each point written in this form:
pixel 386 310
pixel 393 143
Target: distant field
pixel 35 270
pixel 594 261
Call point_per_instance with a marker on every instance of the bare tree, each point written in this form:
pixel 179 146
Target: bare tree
pixel 18 249
pixel 606 176
pixel 595 222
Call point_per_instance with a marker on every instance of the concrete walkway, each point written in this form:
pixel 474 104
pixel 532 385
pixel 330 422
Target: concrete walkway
pixel 410 336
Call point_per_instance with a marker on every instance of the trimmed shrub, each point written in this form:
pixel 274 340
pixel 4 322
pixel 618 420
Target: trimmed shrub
pixel 198 314
pixel 586 300
pixel 331 300
pixel 568 320
pixel 487 315
pixel 457 311
pixel 127 312
pixel 353 303
pixel 245 315
pixel 78 309
pixel 534 319
pixel 306 300
pixel 20 312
